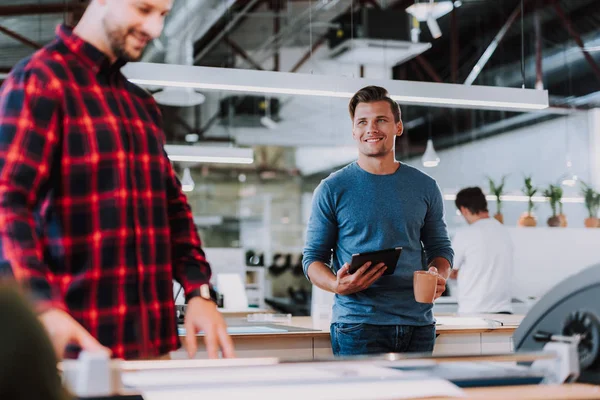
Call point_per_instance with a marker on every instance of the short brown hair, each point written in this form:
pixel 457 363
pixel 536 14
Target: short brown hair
pixel 473 199
pixel 370 94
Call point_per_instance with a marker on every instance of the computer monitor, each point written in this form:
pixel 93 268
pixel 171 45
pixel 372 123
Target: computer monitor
pixel 571 307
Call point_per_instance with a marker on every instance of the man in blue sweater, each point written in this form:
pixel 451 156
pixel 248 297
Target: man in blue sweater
pixel 372 204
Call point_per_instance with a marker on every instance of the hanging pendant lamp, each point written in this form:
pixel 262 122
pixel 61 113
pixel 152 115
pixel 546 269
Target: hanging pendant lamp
pixel 570 179
pixel 430 158
pixel 187 183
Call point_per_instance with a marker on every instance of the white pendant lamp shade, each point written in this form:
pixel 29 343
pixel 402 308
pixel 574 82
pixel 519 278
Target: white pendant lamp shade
pixel 179 97
pixel 187 183
pixel 570 179
pixel 430 158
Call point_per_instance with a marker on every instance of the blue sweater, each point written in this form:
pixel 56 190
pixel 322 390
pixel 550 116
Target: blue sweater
pixel 355 211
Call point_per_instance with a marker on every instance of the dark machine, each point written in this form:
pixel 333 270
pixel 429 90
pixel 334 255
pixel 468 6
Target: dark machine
pixel 248 111
pixel 370 23
pixel 571 309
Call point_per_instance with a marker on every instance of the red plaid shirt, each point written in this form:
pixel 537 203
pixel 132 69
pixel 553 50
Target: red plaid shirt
pixel 92 217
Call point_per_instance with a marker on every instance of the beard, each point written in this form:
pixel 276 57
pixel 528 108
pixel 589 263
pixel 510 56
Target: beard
pixel 117 38
pixel 379 151
pixel 376 153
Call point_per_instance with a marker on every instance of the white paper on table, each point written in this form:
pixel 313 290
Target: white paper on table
pixel 315 381
pixel 269 374
pixel 468 321
pixel 414 389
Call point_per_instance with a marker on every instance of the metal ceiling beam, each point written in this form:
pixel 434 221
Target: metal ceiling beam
pixel 36 9
pixel 454 50
pixel 241 52
pixel 307 55
pixel 19 38
pixel 321 41
pixel 575 35
pixel 291 30
pixel 428 68
pixel 416 70
pixel 489 51
pixel 233 23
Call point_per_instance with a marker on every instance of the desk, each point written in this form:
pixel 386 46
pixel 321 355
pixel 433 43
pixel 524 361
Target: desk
pixel 307 339
pixel 242 313
pixel 535 392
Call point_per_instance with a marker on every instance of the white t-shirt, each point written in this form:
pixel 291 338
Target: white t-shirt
pixel 484 257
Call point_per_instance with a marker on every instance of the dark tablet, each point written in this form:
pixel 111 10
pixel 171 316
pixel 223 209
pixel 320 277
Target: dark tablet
pixel 388 256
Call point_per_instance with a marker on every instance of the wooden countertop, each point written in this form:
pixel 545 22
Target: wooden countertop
pixel 534 392
pixel 447 324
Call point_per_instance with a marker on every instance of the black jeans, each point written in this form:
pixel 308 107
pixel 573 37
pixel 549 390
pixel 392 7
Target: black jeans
pixel 359 339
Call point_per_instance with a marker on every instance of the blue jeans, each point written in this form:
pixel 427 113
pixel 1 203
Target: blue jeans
pixel 359 339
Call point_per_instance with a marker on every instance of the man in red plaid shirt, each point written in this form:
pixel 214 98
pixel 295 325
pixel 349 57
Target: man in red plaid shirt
pixel 92 218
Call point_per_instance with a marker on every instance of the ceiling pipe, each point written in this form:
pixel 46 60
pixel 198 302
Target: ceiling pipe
pixel 180 51
pixel 510 75
pixel 230 25
pixel 489 51
pixel 553 63
pixel 205 13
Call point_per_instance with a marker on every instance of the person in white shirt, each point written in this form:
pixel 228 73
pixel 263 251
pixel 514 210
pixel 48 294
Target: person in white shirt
pixel 483 258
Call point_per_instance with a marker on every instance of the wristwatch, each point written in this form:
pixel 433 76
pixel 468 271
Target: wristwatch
pixel 205 291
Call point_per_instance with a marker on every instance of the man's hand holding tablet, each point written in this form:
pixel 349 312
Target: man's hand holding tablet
pixel 365 269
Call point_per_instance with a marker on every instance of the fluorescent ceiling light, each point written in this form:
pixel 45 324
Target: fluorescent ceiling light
pixel 521 198
pixel 273 82
pixel 209 154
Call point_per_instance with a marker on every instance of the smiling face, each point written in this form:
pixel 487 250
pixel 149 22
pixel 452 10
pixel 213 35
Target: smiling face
pixel 130 25
pixel 375 129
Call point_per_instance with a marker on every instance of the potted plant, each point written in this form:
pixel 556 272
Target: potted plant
pixel 553 194
pixel 528 219
pixel 497 190
pixel 561 215
pixel 592 203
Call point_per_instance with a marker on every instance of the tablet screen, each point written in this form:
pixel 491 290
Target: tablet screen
pixel 388 256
